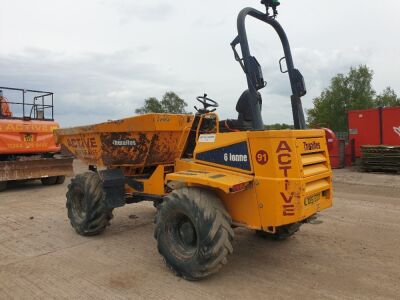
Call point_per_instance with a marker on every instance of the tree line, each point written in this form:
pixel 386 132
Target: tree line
pixel 346 92
pixel 170 103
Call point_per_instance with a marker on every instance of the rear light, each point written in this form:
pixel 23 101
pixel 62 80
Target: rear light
pixel 238 187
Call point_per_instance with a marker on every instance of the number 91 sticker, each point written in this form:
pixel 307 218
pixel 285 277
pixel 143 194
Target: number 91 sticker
pixel 262 157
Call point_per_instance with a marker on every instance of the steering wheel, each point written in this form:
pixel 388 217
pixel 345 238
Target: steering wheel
pixel 207 102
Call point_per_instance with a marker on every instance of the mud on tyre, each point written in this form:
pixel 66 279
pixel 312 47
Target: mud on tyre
pixel 86 205
pixel 193 232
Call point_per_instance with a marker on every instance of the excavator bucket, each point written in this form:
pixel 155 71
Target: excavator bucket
pixel 34 168
pixel 137 142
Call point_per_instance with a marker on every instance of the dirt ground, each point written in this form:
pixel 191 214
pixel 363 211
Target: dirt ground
pixel 353 253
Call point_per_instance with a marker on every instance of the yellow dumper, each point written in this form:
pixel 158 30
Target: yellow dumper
pixel 204 175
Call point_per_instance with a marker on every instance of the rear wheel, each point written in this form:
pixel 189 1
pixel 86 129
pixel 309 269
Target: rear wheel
pixel 3 185
pixel 49 180
pixel 86 204
pixel 60 179
pixel 193 232
pixel 281 233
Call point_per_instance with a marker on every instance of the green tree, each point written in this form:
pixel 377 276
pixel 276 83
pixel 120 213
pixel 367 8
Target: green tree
pixel 278 126
pixel 387 98
pixel 170 103
pixel 346 92
pixel 151 105
pixel 173 104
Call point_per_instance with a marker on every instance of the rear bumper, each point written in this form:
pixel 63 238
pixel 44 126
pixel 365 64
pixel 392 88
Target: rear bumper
pixel 35 168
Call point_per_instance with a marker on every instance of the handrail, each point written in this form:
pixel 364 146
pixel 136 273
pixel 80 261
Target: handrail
pixel 47 103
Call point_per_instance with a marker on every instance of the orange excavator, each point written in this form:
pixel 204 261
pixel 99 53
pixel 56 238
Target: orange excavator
pixel 28 149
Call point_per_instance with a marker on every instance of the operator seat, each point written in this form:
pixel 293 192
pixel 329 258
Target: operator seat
pixel 244 120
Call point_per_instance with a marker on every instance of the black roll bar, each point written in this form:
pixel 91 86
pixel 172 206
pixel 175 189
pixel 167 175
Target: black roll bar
pixel 297 109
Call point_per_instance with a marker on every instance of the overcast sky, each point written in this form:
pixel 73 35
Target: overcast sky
pixel 102 58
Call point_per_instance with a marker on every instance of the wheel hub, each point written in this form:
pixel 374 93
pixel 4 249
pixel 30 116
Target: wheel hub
pixel 79 205
pixel 187 233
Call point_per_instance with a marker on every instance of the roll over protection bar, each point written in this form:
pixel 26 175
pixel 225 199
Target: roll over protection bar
pixel 253 71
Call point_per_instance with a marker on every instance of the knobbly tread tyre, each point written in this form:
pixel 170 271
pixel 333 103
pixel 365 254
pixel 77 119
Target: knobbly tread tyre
pixel 52 180
pixel 282 232
pixel 93 217
pixel 60 179
pixel 213 231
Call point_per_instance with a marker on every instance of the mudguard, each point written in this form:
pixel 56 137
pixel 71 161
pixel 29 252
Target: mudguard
pixel 228 183
pixel 114 187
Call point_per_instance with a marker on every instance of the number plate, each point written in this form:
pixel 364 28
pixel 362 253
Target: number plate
pixel 310 200
pixel 28 137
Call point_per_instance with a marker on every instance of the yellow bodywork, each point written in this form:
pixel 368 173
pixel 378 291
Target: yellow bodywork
pixel 279 177
pixel 211 178
pixel 135 142
pixel 294 182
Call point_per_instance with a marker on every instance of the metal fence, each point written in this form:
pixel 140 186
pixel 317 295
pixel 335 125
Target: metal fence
pixel 28 104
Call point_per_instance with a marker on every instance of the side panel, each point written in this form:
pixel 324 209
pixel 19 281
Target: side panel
pixel 153 185
pixel 24 137
pixel 85 147
pixel 391 126
pixel 278 186
pixel 243 208
pixel 292 178
pixel 224 150
pixel 364 128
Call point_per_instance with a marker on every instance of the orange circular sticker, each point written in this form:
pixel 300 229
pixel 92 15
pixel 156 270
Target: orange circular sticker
pixel 262 157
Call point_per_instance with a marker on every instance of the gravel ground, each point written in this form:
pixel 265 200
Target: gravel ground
pixel 352 253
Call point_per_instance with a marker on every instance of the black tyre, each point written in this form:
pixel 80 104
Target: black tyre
pixel 49 180
pixel 281 233
pixel 193 232
pixel 3 185
pixel 60 179
pixel 86 205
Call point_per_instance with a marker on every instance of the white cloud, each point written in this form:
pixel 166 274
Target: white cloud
pixel 102 58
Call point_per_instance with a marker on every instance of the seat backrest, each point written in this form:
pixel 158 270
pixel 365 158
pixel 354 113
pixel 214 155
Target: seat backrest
pixel 243 106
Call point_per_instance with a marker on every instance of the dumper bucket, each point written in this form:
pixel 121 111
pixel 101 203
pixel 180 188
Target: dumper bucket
pixel 138 142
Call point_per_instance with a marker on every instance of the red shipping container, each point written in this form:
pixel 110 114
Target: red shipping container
pixel 336 148
pixel 364 128
pixel 391 126
pixel 348 158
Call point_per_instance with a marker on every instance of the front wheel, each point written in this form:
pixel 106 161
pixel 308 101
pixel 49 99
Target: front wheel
pixel 193 232
pixel 86 204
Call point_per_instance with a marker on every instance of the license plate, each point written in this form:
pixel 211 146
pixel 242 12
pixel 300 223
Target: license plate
pixel 310 200
pixel 28 138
